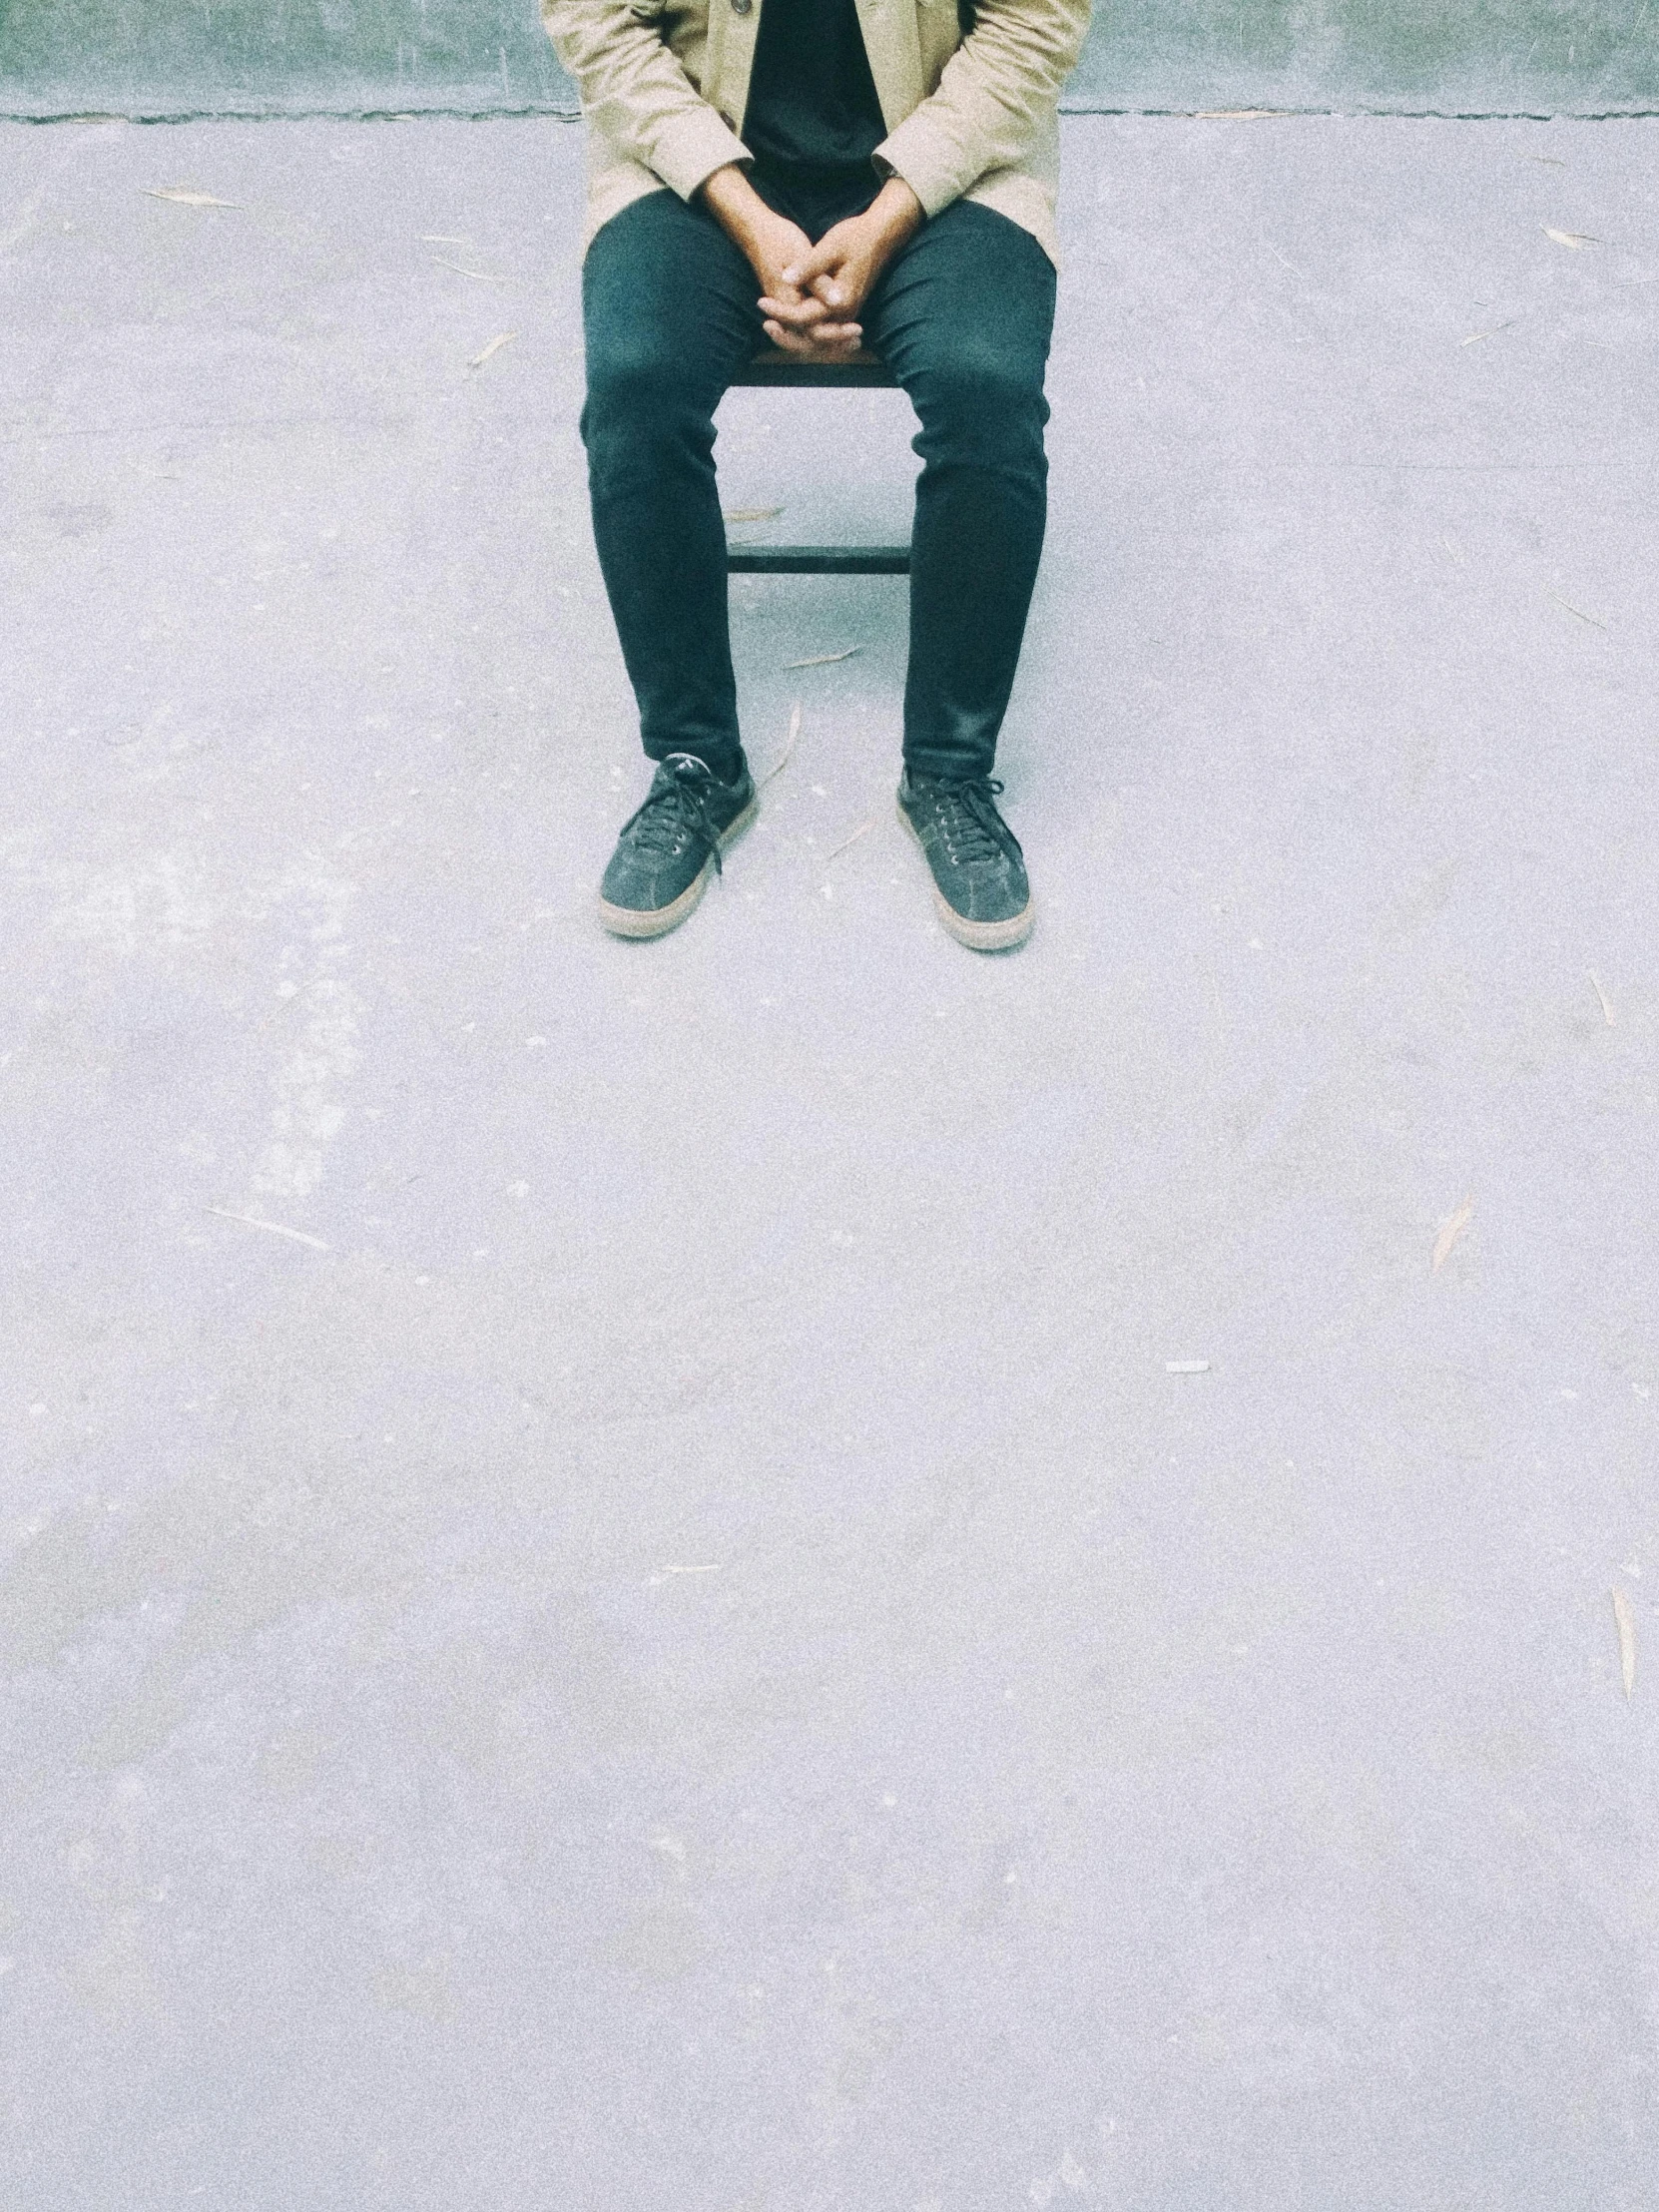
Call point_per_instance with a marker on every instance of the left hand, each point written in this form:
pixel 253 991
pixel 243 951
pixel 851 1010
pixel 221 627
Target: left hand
pixel 839 275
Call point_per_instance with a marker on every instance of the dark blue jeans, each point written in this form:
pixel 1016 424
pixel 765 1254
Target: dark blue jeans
pixel 963 315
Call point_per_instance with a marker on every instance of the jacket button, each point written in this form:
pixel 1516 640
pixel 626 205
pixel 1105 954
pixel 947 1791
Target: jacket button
pixel 742 7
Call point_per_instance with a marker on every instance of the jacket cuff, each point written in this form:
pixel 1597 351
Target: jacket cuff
pixel 691 146
pixel 929 160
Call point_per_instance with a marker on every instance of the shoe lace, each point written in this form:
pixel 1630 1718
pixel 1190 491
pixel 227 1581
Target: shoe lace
pixel 968 822
pixel 676 810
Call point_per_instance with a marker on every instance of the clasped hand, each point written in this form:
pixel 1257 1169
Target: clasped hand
pixel 811 296
pixel 810 304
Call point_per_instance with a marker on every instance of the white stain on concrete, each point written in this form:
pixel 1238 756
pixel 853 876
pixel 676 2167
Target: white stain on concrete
pixel 1068 2175
pixel 161 904
pixel 24 223
pixel 154 902
pixel 309 1108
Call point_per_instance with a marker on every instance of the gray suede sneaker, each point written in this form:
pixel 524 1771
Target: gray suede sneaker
pixel 669 849
pixel 979 880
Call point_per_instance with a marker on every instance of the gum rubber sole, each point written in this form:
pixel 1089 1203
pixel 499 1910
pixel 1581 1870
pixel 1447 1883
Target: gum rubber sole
pixel 978 936
pixel 657 921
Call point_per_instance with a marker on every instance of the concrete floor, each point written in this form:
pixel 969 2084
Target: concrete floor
pixel 665 1635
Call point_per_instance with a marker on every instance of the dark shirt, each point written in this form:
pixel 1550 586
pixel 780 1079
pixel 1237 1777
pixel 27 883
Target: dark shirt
pixel 812 119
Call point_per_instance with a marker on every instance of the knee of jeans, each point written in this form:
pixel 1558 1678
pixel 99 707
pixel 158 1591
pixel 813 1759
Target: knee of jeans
pixel 982 400
pixel 640 392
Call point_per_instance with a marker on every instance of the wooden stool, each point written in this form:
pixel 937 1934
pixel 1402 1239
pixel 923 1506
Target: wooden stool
pixel 864 372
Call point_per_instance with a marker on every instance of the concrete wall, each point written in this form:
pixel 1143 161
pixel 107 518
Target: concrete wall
pixel 180 57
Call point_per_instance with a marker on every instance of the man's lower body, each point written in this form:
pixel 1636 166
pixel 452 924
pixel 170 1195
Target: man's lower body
pixel 963 315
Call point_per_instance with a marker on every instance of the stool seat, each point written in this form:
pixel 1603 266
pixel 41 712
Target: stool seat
pixel 861 371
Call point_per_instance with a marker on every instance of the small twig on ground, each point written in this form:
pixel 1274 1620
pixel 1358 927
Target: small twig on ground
pixel 1594 621
pixel 1627 1621
pixel 482 274
pixel 183 196
pixel 494 346
pixel 846 842
pixel 1449 1235
pixel 826 660
pixel 1606 1002
pixel 788 744
pixel 253 1221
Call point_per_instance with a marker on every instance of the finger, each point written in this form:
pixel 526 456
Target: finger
pixel 789 342
pixel 802 272
pixel 798 312
pixel 818 333
pixel 788 323
pixel 825 256
pixel 812 349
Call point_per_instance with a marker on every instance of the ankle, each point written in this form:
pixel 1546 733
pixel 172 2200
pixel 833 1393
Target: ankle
pixel 725 767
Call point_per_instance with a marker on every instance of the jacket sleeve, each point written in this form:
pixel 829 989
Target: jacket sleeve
pixel 994 97
pixel 637 95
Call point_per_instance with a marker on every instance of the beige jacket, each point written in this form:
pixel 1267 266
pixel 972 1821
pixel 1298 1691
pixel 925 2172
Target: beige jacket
pixel 665 83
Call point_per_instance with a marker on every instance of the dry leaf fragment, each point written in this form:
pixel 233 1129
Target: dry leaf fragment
pixel 1577 240
pixel 750 514
pixel 494 346
pixel 1186 1366
pixel 788 743
pixel 1449 1235
pixel 482 274
pixel 1606 1002
pixel 1626 1620
pixel 825 660
pixel 185 196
